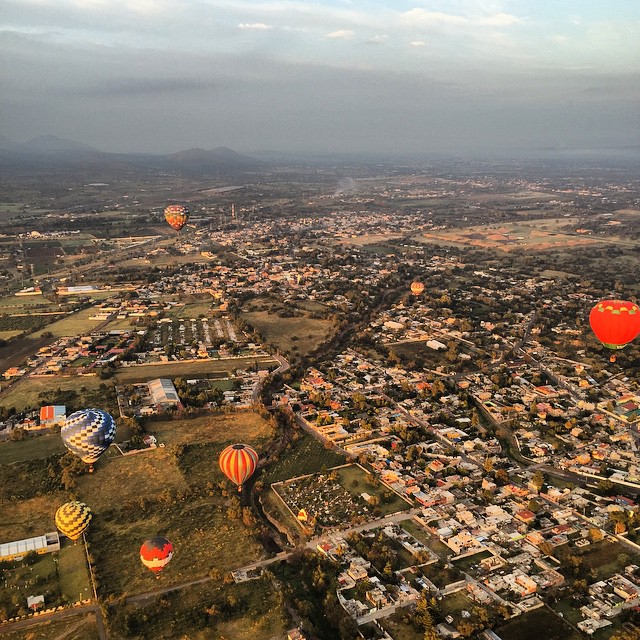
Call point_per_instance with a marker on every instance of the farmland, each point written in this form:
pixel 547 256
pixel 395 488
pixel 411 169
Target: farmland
pixel 192 369
pixel 77 627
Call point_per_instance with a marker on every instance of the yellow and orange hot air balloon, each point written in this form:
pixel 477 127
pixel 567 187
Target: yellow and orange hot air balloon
pixel 176 215
pixel 238 462
pixel 615 323
pixel 417 288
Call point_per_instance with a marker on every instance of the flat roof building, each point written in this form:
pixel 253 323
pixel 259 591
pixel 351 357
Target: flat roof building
pixel 17 550
pixel 163 393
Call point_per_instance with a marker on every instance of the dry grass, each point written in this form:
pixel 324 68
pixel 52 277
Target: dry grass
pixel 118 479
pixel 26 518
pixel 242 427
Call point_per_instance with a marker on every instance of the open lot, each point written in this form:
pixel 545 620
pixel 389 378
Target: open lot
pixel 75 324
pixel 34 447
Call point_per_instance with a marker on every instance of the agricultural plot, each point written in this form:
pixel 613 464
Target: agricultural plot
pixel 76 324
pixel 34 447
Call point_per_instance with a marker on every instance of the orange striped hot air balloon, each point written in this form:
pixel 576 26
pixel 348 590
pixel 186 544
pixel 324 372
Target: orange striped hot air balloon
pixel 156 553
pixel 238 462
pixel 176 215
pixel 417 288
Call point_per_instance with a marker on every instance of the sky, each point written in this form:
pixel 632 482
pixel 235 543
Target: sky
pixel 344 76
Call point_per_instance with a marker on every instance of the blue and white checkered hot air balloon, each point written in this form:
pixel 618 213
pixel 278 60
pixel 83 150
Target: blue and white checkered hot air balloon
pixel 88 433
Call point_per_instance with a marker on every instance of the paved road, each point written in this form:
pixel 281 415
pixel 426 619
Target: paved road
pixel 11 627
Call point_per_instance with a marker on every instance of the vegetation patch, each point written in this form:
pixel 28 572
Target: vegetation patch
pixel 247 611
pixel 540 623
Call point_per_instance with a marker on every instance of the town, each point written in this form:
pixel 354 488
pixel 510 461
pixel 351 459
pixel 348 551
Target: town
pixel 462 462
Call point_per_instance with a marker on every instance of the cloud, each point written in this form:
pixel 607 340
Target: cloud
pixel 341 34
pixel 255 26
pixel 381 39
pixel 417 43
pixel 420 17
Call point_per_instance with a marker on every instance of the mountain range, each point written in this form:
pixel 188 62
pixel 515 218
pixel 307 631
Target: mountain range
pixel 50 153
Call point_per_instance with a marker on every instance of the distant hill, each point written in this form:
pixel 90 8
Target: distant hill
pixel 47 154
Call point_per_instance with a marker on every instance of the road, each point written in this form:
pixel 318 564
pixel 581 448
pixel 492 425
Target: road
pixel 257 388
pixel 94 609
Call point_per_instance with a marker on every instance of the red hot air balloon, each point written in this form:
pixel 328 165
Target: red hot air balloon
pixel 615 323
pixel 176 215
pixel 238 462
pixel 156 553
pixel 417 288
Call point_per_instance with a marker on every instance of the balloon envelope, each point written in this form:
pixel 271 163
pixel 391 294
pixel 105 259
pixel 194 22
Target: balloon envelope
pixel 417 288
pixel 88 433
pixel 73 518
pixel 238 462
pixel 615 322
pixel 176 215
pixel 156 553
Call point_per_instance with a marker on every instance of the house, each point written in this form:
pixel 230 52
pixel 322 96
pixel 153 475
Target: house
pixel 17 550
pixel 52 415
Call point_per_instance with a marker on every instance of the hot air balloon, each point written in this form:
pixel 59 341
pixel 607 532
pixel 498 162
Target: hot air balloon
pixel 238 462
pixel 156 553
pixel 88 433
pixel 73 518
pixel 176 215
pixel 615 323
pixel 417 288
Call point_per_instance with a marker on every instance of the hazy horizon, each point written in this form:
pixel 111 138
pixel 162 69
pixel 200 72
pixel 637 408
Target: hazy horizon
pixel 333 76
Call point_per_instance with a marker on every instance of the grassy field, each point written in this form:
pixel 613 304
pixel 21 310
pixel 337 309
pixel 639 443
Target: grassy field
pixel 355 481
pixel 540 623
pixel 34 447
pixel 80 627
pixel 74 577
pixel 173 491
pixel 26 392
pixel 191 369
pixel 464 564
pixel 300 334
pixel 246 611
pixel 302 456
pixel 7 335
pixel 241 426
pixel 604 558
pixel 75 324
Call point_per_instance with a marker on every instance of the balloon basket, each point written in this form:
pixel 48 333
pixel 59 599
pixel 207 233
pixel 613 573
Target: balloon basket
pixel 612 359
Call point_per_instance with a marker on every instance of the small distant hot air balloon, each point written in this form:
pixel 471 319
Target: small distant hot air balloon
pixel 73 518
pixel 176 215
pixel 88 433
pixel 417 288
pixel 615 323
pixel 238 462
pixel 156 553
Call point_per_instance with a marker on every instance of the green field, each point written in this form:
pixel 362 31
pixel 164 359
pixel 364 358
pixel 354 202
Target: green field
pixel 464 564
pixel 7 335
pixel 303 455
pixel 246 611
pixel 78 627
pixel 191 369
pixel 33 447
pixel 355 480
pixel 399 627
